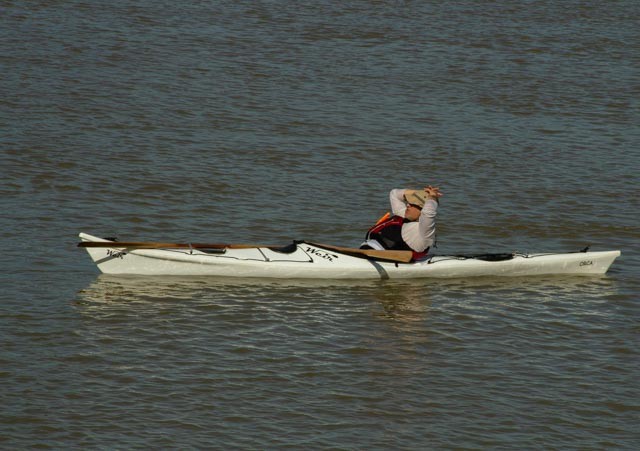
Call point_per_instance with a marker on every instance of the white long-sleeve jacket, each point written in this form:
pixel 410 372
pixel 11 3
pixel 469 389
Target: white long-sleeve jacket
pixel 419 234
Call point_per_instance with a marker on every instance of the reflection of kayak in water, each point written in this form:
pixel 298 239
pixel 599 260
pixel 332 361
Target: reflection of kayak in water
pixel 317 261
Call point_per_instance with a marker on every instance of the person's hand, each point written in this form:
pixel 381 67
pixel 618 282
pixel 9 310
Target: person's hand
pixel 433 192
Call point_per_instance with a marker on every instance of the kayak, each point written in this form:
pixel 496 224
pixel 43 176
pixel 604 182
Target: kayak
pixel 307 260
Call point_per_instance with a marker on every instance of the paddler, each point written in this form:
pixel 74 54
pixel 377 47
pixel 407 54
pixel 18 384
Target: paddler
pixel 412 225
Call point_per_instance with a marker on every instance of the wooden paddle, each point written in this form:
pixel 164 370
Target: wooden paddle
pixel 392 256
pixel 152 245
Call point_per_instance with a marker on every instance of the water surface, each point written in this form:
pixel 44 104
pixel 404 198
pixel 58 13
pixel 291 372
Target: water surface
pixel 267 122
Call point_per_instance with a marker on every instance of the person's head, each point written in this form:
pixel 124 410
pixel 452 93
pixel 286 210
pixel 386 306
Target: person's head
pixel 415 201
pixel 412 213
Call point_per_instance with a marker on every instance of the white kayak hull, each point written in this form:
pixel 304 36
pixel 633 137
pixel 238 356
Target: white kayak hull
pixel 310 261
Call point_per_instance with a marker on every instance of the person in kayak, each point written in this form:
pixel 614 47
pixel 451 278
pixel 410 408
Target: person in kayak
pixel 412 226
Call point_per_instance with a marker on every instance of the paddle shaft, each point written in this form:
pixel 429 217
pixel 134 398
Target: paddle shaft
pixel 151 245
pixel 392 256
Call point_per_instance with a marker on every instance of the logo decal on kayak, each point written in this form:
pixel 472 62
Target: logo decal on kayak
pixel 116 254
pixel 322 254
pixel 586 263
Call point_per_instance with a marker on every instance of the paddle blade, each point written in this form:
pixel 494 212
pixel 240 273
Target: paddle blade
pixel 391 256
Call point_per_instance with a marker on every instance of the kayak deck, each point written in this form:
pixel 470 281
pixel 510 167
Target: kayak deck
pixel 316 261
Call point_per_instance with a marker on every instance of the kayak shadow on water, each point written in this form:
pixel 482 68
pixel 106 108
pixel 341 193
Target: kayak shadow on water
pixel 395 296
pixel 110 288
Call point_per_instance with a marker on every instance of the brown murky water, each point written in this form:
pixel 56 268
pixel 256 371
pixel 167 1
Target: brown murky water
pixel 245 121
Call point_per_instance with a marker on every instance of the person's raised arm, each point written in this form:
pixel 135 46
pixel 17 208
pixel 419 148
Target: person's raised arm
pixel 433 192
pixel 396 199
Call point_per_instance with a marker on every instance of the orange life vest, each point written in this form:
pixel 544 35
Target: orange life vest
pixel 388 232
